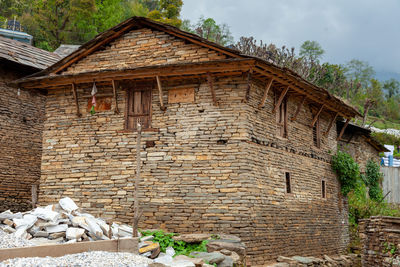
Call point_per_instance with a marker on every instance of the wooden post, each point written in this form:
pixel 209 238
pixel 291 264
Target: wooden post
pixel 281 97
pixel 75 93
pixel 116 110
pixel 317 115
pixel 344 128
pixel 34 195
pixel 160 94
pixel 298 108
pixel 247 96
pixel 210 84
pixel 137 212
pixel 331 124
pixel 267 87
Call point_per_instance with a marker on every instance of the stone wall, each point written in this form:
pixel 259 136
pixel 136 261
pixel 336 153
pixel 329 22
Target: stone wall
pixel 359 149
pixel 380 244
pixel 21 118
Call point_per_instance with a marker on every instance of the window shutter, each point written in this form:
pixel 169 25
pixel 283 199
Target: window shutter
pixel 139 108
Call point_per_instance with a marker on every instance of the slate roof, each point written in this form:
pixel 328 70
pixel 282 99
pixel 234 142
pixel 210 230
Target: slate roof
pixel 26 54
pixel 65 50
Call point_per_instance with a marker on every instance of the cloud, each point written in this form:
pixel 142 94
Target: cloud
pixel 364 29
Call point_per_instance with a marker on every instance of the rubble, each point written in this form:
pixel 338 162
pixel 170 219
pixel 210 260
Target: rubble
pixel 350 260
pixel 58 223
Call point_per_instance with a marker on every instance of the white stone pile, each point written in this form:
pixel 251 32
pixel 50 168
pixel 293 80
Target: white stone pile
pixel 56 223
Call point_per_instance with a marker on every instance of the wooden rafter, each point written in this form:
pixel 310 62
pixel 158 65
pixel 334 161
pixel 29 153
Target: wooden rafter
pixel 116 110
pixel 280 99
pixel 301 103
pixel 331 123
pixel 210 84
pixel 247 96
pixel 264 98
pixel 160 94
pixel 75 93
pixel 343 129
pixel 317 115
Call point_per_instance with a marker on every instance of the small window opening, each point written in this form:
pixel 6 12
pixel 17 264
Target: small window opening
pixel 323 188
pixel 288 183
pixel 282 119
pixel 316 134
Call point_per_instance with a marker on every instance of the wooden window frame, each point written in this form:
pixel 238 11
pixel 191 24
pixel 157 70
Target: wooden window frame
pixel 316 133
pixel 135 88
pixel 283 108
pixel 288 183
pixel 323 189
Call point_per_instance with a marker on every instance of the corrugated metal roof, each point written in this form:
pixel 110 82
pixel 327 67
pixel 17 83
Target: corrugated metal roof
pixel 26 54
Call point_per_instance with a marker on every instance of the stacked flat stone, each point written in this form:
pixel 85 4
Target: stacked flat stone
pixel 56 223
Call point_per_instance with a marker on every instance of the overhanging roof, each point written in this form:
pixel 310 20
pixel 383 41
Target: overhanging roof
pixel 52 75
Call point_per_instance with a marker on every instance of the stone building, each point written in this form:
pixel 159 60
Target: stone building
pixel 358 142
pixel 21 117
pixel 231 143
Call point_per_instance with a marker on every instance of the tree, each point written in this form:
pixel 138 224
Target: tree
pixel 359 71
pixel 392 87
pixel 311 50
pixel 210 30
pixel 168 12
pixel 372 96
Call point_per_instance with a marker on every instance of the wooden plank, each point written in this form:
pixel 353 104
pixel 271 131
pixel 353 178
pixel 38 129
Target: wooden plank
pixel 210 84
pixel 247 95
pixel 181 95
pixel 116 110
pixel 317 116
pixel 160 94
pixel 58 250
pixel 280 99
pixel 75 93
pixel 303 100
pixel 264 98
pixel 343 129
pixel 333 120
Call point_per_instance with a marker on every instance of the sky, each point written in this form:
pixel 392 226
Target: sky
pixel 368 30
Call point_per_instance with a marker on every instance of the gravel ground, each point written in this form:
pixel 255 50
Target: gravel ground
pixel 86 259
pixel 10 241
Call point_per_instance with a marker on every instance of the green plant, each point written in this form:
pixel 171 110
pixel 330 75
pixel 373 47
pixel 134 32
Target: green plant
pixel 181 248
pixel 373 178
pixel 347 171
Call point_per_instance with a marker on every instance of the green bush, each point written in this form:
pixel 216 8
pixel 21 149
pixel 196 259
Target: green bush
pixel 347 171
pixel 373 178
pixel 181 248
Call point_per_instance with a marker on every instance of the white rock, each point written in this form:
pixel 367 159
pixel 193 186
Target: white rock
pixel 9 215
pixel 79 221
pixel 8 229
pixel 26 222
pixel 104 226
pixel 170 251
pixel 182 263
pixel 94 228
pixel 46 214
pixel 56 228
pixel 68 204
pixel 73 233
pixel 21 233
pixel 114 229
pixel 165 259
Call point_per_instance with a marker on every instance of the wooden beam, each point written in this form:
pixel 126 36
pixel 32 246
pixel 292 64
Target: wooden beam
pixel 343 129
pixel 267 87
pixel 247 96
pixel 303 100
pixel 160 94
pixel 317 116
pixel 75 93
pixel 331 124
pixel 210 84
pixel 280 99
pixel 116 110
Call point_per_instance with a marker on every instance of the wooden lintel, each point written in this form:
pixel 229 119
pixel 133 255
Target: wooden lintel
pixel 280 99
pixel 116 110
pixel 343 129
pixel 75 93
pixel 160 94
pixel 317 116
pixel 301 103
pixel 210 84
pixel 247 96
pixel 331 123
pixel 264 98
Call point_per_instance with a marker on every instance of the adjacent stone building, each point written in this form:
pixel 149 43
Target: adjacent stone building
pixel 231 143
pixel 358 142
pixel 21 121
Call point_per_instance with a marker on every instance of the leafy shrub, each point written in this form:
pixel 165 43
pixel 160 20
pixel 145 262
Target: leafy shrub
pixel 181 248
pixel 373 178
pixel 347 171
